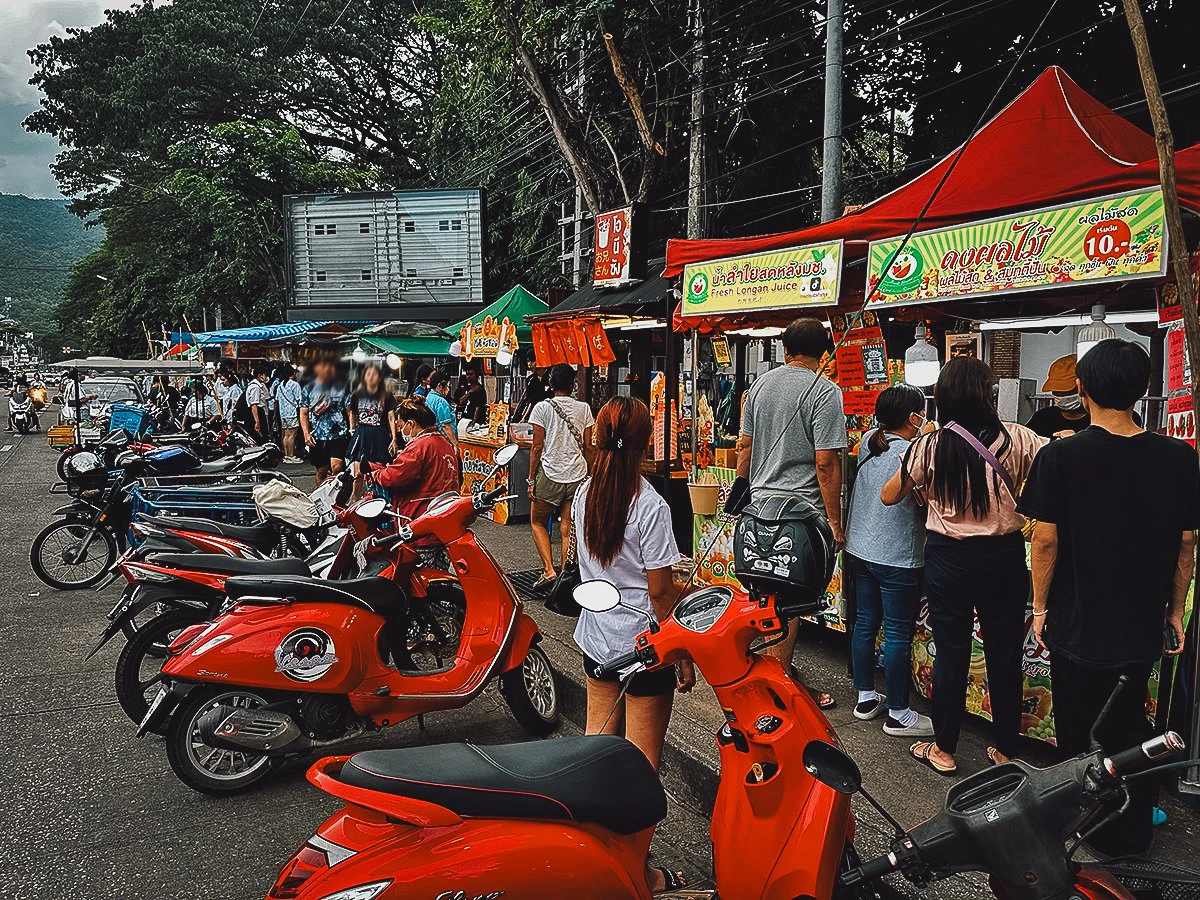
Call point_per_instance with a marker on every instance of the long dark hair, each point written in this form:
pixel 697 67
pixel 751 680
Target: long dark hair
pixel 622 434
pixel 964 395
pixel 892 409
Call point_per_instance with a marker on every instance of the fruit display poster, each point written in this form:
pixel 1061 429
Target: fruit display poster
pixel 1115 238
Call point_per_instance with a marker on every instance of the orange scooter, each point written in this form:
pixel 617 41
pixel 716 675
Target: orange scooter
pixel 299 663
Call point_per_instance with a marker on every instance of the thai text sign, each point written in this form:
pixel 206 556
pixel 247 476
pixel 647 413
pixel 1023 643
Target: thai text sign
pixel 1113 238
pixel 777 279
pixel 484 339
pixel 611 257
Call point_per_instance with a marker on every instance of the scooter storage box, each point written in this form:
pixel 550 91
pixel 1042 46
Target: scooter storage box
pixel 133 419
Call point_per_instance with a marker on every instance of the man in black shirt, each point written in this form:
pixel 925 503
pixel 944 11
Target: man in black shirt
pixel 1113 556
pixel 1068 412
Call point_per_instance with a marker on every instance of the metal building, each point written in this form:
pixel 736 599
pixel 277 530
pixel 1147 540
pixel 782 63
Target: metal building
pixel 413 255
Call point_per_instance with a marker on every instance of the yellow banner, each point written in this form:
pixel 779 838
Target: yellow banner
pixel 778 279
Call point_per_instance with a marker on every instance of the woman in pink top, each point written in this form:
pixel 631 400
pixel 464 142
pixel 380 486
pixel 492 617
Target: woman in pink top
pixel 968 473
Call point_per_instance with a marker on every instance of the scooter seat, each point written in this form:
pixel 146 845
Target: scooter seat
pixel 380 595
pixel 219 563
pixel 602 779
pixel 261 535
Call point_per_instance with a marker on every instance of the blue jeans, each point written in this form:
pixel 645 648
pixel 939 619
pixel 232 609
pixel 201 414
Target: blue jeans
pixel 886 594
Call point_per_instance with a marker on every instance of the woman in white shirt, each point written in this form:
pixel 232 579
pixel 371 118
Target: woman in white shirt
pixel 624 536
pixel 200 408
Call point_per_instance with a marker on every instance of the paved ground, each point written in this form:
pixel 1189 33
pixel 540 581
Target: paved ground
pixel 89 811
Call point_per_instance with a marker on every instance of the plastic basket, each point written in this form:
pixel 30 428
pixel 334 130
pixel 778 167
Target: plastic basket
pixel 132 419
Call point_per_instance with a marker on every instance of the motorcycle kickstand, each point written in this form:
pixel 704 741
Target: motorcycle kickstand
pixel 420 721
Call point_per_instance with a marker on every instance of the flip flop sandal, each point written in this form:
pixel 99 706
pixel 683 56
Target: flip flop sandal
pixel 672 881
pixel 995 757
pixel 922 756
pixel 823 700
pixel 542 583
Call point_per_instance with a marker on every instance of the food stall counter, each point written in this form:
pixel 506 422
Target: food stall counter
pixel 475 464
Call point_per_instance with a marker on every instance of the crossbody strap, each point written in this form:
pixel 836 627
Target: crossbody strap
pixel 988 456
pixel 570 425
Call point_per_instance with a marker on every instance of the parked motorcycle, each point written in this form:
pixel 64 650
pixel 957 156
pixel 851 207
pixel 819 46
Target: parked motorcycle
pixel 297 664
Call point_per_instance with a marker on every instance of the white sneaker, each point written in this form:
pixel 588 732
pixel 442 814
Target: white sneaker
pixel 869 709
pixel 922 726
pixel 292 460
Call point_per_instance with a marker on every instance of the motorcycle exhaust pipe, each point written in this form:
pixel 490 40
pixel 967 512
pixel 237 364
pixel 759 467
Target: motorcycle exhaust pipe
pixel 259 731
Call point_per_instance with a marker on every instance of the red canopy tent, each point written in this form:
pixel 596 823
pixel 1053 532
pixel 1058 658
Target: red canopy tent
pixel 1053 144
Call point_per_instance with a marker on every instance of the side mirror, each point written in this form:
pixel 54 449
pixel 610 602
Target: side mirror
pixel 832 767
pixel 504 455
pixel 597 596
pixel 372 509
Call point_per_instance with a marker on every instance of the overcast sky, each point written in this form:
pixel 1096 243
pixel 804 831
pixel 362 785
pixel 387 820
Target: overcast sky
pixel 25 158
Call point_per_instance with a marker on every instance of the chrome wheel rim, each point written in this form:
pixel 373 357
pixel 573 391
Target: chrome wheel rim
pixel 539 684
pixel 223 765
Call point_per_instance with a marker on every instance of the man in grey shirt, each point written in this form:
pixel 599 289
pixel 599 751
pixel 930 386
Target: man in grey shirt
pixel 793 433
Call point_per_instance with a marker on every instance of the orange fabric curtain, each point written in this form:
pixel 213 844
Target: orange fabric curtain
pixel 597 344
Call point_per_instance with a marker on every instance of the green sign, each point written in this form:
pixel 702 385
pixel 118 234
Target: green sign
pixel 777 279
pixel 1110 239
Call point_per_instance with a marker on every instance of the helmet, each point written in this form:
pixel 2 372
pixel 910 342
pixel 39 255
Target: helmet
pixel 783 546
pixel 86 470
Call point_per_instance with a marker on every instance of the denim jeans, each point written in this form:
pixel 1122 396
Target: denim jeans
pixel 886 594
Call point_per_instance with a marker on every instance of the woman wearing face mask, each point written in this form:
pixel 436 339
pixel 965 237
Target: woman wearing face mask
pixel 426 466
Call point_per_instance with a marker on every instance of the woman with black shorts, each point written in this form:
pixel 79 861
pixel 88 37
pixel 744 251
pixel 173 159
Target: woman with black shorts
pixel 625 537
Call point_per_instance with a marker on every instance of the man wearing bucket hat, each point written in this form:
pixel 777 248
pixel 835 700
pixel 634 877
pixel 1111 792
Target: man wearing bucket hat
pixel 1067 415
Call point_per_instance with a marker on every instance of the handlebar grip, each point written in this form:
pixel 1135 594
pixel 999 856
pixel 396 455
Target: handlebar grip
pixel 1144 756
pixel 621 662
pixel 869 871
pixel 492 496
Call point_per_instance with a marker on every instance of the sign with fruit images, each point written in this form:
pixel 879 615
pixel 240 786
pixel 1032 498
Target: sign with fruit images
pixel 778 279
pixel 1116 238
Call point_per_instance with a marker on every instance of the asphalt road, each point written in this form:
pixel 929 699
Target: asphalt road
pixel 87 810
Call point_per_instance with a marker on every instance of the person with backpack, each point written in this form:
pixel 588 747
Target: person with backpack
pixel 558 463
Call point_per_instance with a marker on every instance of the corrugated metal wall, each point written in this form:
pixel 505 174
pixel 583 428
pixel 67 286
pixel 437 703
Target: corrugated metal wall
pixel 386 249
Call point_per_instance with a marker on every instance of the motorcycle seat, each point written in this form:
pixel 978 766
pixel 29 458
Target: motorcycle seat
pixel 379 595
pixel 601 779
pixel 261 535
pixel 220 563
pixel 217 466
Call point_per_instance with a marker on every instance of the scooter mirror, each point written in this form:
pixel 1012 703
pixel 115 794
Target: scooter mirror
pixel 504 455
pixel 832 767
pixel 373 508
pixel 597 596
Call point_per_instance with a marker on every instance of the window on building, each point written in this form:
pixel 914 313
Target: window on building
pixel 364 227
pixel 444 225
pixel 324 229
pixel 456 224
pixel 320 275
pixel 458 272
pixel 410 273
pixel 366 274
pixel 409 225
pixel 318 229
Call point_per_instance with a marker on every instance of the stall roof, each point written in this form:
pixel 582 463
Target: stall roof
pixel 1053 144
pixel 408 346
pixel 515 305
pixel 627 300
pixel 254 333
pixel 112 365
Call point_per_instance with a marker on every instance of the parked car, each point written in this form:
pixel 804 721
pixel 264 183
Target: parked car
pixel 109 391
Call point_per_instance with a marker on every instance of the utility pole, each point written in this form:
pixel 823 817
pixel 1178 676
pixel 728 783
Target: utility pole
pixel 1165 143
pixel 831 164
pixel 572 226
pixel 695 221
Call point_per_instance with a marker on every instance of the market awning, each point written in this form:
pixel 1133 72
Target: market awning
pixel 1053 144
pixel 514 306
pixel 631 300
pixel 408 346
pixel 253 333
pixel 115 366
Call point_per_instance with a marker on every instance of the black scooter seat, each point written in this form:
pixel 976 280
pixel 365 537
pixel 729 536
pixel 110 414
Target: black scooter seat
pixel 380 595
pixel 261 536
pixel 231 565
pixel 602 779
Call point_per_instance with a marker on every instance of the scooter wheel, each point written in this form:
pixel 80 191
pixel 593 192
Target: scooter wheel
pixel 141 660
pixel 206 769
pixel 49 555
pixel 531 693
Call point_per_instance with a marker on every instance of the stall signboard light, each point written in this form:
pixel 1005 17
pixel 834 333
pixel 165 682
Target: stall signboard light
pixel 1115 238
pixel 611 254
pixel 776 280
pixel 484 339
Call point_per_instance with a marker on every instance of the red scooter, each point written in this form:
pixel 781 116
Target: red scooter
pixel 300 663
pixel 574 816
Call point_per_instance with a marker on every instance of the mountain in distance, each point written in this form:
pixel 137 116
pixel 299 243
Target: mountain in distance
pixel 39 242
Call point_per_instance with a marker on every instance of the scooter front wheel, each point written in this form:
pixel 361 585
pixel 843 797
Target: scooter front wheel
pixel 140 663
pixel 57 561
pixel 531 693
pixel 213 770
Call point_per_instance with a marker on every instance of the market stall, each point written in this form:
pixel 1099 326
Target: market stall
pixel 1001 239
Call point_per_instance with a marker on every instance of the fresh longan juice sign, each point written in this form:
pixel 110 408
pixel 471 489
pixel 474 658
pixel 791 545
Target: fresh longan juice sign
pixel 1117 238
pixel 778 279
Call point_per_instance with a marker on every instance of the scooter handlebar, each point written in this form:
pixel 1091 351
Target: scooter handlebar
pixel 869 871
pixel 1145 755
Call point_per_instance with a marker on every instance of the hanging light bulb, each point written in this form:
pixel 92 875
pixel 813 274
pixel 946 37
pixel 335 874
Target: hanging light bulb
pixel 504 357
pixel 394 362
pixel 1091 335
pixel 359 355
pixel 921 363
pixel 456 349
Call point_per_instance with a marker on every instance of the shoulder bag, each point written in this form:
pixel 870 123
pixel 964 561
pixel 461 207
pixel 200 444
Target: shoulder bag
pixel 562 592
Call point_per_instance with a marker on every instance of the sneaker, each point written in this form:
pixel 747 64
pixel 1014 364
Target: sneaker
pixel 922 727
pixel 292 460
pixel 869 709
